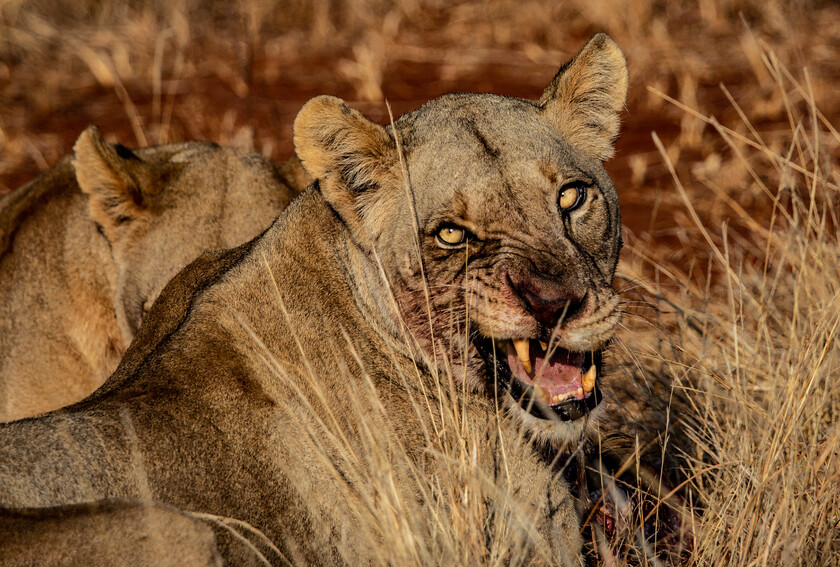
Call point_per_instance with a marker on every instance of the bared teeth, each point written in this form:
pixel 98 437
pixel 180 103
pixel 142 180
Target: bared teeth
pixel 588 379
pixel 523 351
pixel 544 345
pixel 557 398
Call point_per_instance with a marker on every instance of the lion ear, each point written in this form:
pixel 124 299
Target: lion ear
pixel 113 177
pixel 351 157
pixel 586 96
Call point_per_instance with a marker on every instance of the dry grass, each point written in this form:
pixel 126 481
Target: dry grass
pixel 237 72
pixel 725 395
pixel 746 349
pixel 432 504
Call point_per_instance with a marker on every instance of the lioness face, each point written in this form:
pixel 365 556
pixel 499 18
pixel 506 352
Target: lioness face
pixel 517 223
pixel 520 236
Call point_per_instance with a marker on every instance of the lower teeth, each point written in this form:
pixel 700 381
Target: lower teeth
pixel 557 398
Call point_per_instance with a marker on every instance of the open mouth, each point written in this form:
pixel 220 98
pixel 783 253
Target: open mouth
pixel 547 381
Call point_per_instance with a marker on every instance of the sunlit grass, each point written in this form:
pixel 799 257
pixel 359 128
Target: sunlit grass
pixel 724 391
pixel 748 356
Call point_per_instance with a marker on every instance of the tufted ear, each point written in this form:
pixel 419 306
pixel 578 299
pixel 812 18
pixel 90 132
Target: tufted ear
pixel 353 159
pixel 114 179
pixel 585 97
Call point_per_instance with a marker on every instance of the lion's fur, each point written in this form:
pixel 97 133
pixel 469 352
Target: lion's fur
pixel 87 247
pixel 106 534
pixel 317 382
pixel 127 532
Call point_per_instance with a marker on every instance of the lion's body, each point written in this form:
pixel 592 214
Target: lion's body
pixel 57 316
pixel 74 281
pixel 106 534
pixel 149 427
pixel 130 532
pixel 300 383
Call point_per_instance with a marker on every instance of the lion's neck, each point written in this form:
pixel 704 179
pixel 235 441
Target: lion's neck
pixel 372 292
pixel 373 296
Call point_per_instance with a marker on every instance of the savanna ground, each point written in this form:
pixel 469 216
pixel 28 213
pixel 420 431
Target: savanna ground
pixel 724 379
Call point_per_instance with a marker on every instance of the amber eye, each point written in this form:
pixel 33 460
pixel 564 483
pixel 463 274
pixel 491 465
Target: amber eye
pixel 451 235
pixel 572 195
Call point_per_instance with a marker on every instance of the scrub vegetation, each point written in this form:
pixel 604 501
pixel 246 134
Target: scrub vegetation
pixel 720 444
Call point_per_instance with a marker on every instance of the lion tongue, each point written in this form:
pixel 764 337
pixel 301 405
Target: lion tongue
pixel 555 378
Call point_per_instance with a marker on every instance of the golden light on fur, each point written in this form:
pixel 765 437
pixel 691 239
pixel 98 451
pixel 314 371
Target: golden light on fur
pixel 381 195
pixel 755 350
pixel 586 96
pixel 92 242
pixel 331 383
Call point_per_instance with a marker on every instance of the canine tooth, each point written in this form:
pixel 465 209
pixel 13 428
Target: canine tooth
pixel 588 379
pixel 523 351
pixel 544 345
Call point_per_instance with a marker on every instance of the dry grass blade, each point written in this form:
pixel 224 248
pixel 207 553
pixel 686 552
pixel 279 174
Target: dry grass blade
pixel 755 439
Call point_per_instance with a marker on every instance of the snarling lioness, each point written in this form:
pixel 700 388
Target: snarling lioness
pixel 445 281
pixel 87 247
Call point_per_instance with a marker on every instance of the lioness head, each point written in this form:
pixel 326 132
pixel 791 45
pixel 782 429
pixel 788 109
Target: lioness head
pixel 497 227
pixel 161 207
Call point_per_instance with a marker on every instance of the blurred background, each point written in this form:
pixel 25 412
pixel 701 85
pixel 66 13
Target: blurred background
pixel 237 71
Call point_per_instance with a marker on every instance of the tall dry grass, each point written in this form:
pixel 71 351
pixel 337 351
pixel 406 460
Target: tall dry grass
pixel 740 359
pixel 236 72
pixel 722 445
pixel 433 503
pixel 723 391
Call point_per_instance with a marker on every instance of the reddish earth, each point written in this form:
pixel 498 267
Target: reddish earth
pixel 200 105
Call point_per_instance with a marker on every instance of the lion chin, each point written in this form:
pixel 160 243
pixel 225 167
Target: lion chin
pixel 560 435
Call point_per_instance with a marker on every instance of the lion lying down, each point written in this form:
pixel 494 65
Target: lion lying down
pixel 87 247
pixel 442 287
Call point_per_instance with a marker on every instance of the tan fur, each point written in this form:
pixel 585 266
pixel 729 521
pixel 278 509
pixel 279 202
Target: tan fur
pixel 87 247
pixel 126 532
pixel 321 382
pixel 107 534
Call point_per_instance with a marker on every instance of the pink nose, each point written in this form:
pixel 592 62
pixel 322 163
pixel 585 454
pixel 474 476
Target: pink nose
pixel 547 300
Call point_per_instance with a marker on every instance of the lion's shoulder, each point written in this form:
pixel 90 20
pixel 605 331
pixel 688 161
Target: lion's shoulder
pixel 172 309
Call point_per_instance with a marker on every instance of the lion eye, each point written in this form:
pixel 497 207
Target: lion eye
pixel 452 235
pixel 572 195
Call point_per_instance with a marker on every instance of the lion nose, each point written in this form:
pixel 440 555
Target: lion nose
pixel 547 300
